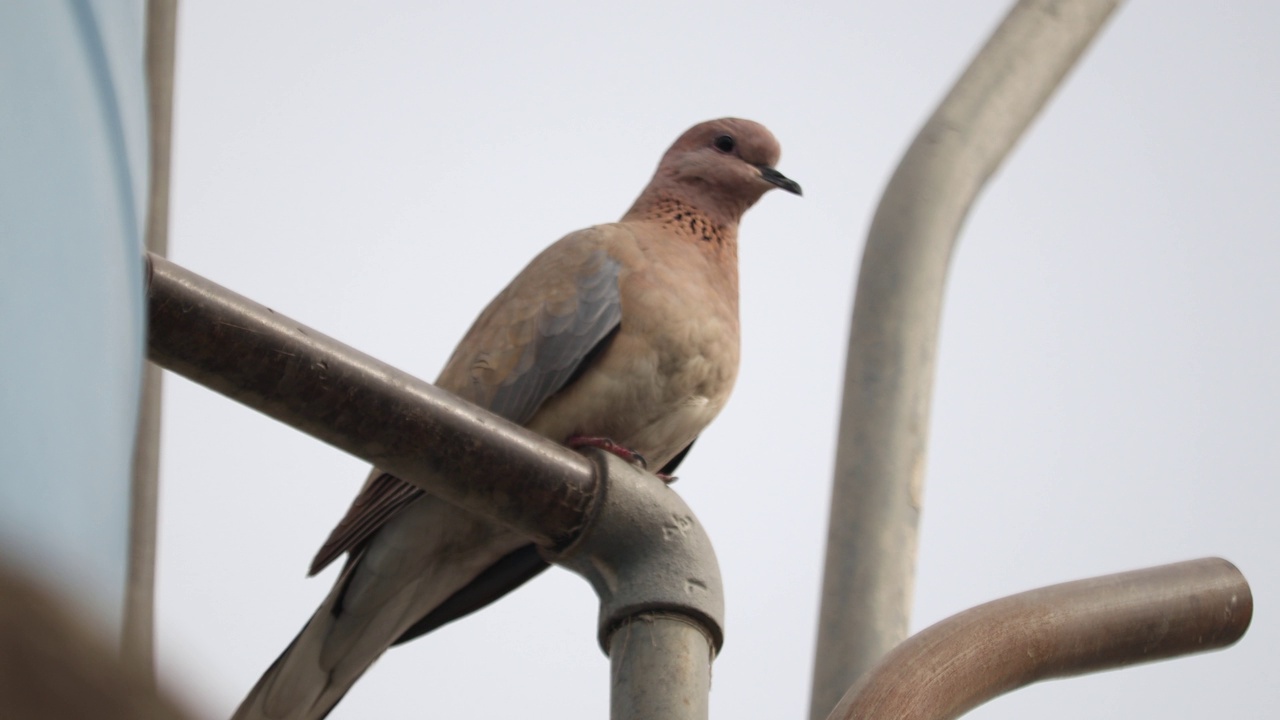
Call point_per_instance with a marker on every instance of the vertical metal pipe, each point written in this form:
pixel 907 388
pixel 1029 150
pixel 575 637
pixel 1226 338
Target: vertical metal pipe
pixel 137 642
pixel 660 669
pixel 876 498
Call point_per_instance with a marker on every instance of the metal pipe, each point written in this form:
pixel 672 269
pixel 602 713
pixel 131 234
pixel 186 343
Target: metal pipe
pixel 138 638
pixel 879 475
pixel 644 551
pixel 399 423
pixel 660 669
pixel 1078 627
pixel 661 597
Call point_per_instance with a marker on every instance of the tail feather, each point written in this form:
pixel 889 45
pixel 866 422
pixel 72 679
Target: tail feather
pixel 401 576
pixel 296 686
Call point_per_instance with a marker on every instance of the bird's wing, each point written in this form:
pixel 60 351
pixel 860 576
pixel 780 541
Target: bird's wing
pixel 513 570
pixel 532 340
pixel 382 496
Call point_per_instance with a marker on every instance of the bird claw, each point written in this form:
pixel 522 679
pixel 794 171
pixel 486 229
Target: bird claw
pixel 577 442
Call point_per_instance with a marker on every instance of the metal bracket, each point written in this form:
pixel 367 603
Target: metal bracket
pixel 644 552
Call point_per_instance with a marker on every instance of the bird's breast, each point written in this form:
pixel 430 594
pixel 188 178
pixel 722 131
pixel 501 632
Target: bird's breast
pixel 669 369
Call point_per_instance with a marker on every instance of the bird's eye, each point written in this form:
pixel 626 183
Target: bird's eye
pixel 724 143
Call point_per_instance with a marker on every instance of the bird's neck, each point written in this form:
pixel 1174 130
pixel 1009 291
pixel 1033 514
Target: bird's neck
pixel 685 218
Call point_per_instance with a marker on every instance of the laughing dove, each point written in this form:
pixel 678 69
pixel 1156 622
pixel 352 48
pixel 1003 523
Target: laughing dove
pixel 623 336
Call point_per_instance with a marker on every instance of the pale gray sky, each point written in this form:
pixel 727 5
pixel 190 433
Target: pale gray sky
pixel 1107 390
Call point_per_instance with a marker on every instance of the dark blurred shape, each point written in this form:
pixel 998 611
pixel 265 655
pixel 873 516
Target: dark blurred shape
pixel 53 667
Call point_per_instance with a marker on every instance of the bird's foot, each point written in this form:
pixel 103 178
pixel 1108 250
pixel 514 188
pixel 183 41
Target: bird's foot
pixel 667 478
pixel 577 442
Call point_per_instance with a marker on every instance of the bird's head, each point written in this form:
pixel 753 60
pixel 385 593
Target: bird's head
pixel 729 161
pixel 721 167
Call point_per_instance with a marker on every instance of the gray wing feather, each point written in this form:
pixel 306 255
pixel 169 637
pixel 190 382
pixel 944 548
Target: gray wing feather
pixel 566 337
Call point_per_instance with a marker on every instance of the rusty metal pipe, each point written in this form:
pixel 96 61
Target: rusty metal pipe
pixel 365 407
pixel 1069 629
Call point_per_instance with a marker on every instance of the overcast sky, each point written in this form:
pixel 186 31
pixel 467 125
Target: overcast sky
pixel 1107 388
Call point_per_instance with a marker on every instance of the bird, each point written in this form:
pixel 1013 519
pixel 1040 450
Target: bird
pixel 622 336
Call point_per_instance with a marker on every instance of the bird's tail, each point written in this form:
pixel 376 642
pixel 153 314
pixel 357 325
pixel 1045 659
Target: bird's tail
pixel 428 565
pixel 298 685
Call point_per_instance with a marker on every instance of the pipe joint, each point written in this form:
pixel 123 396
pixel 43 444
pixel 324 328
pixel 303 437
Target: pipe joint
pixel 644 552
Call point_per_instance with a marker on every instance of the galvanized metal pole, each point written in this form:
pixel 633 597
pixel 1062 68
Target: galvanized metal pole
pixel 661 596
pixel 660 669
pixel 1079 627
pixel 138 637
pixel 879 476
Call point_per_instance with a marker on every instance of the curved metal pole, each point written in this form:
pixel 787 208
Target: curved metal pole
pixel 876 498
pixel 1079 627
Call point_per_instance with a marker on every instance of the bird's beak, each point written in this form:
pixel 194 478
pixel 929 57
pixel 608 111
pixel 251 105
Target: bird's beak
pixel 776 178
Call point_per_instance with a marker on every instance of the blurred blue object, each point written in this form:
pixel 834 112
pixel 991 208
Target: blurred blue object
pixel 73 179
